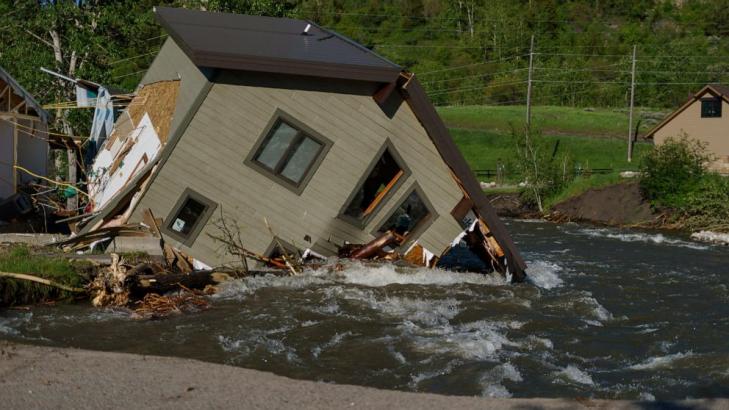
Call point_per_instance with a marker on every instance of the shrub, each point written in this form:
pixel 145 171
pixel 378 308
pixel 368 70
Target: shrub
pixel 669 171
pixel 706 204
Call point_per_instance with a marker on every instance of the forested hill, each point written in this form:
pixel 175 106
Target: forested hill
pixel 464 51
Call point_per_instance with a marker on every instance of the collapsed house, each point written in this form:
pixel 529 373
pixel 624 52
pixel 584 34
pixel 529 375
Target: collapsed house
pixel 24 142
pixel 281 125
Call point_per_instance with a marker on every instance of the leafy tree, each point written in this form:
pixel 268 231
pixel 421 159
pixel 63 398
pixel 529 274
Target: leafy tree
pixel 544 172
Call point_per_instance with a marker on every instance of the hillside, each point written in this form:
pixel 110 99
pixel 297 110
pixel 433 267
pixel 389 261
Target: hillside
pixel 471 52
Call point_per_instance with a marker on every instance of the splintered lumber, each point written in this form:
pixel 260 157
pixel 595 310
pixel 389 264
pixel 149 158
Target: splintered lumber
pixel 248 254
pixel 33 278
pixel 85 240
pixel 168 282
pixel 375 247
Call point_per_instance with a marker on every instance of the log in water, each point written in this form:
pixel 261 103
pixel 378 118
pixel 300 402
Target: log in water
pixel 608 313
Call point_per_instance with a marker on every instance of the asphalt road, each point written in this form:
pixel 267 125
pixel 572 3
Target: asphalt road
pixel 34 377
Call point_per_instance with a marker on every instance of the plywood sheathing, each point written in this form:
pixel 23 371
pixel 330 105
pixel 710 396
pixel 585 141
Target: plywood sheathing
pixel 158 100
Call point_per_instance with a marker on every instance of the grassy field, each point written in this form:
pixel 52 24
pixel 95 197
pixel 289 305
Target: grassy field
pixel 550 120
pixel 484 149
pixel 592 138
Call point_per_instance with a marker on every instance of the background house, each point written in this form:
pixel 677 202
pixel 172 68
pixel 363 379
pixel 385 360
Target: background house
pixel 704 117
pixel 23 136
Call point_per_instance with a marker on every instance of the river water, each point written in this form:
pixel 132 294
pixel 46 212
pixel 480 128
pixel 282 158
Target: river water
pixel 608 314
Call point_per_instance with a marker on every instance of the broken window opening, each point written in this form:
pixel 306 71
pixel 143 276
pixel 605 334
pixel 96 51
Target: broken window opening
pixel 288 152
pixel 409 216
pixel 189 216
pixel 379 183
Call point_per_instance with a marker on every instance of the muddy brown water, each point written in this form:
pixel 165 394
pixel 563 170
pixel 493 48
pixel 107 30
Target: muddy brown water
pixel 609 313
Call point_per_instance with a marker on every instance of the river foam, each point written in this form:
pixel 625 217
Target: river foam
pixel 632 236
pixel 662 361
pixel 573 374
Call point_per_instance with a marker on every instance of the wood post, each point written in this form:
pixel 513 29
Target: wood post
pixel 72 202
pixel 630 115
pixel 529 88
pixel 15 158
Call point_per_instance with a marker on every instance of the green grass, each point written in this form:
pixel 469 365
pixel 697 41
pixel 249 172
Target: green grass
pixel 485 149
pixel 551 120
pixel 20 259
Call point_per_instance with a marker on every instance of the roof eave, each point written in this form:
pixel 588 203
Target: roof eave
pixel 684 106
pixel 295 67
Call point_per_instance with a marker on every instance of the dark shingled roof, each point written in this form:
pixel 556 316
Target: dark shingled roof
pixel 721 88
pixel 269 44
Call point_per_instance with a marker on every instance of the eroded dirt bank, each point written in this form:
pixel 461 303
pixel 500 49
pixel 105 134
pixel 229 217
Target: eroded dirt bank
pixel 614 205
pixel 34 377
pixel 620 204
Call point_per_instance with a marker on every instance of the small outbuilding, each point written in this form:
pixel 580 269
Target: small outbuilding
pixel 280 122
pixel 704 117
pixel 23 136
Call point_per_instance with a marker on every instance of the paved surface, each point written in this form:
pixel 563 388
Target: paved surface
pixel 43 378
pixel 37 239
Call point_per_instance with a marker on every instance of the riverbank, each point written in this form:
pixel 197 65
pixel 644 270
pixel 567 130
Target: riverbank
pixel 33 377
pixel 613 205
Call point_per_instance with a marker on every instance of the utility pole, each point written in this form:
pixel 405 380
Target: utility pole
pixel 529 88
pixel 630 115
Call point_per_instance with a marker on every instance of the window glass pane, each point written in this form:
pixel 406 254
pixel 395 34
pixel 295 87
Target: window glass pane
pixel 301 159
pixel 407 216
pixel 276 145
pixel 188 215
pixel 378 183
pixel 711 108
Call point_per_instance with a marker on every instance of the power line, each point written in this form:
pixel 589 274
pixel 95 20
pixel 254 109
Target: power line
pixel 472 65
pixel 579 70
pixel 134 57
pixel 674 83
pixel 130 74
pixel 425 46
pixel 579 82
pixel 333 13
pixel 682 72
pixel 581 55
pixel 474 76
pixel 439 92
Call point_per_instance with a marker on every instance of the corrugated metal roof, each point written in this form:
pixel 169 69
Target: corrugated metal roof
pixel 28 97
pixel 241 42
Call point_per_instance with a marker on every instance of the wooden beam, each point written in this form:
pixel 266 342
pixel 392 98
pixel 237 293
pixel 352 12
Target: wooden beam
pixel 15 158
pixel 17 116
pixel 20 104
pixel 72 202
pixel 2 95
